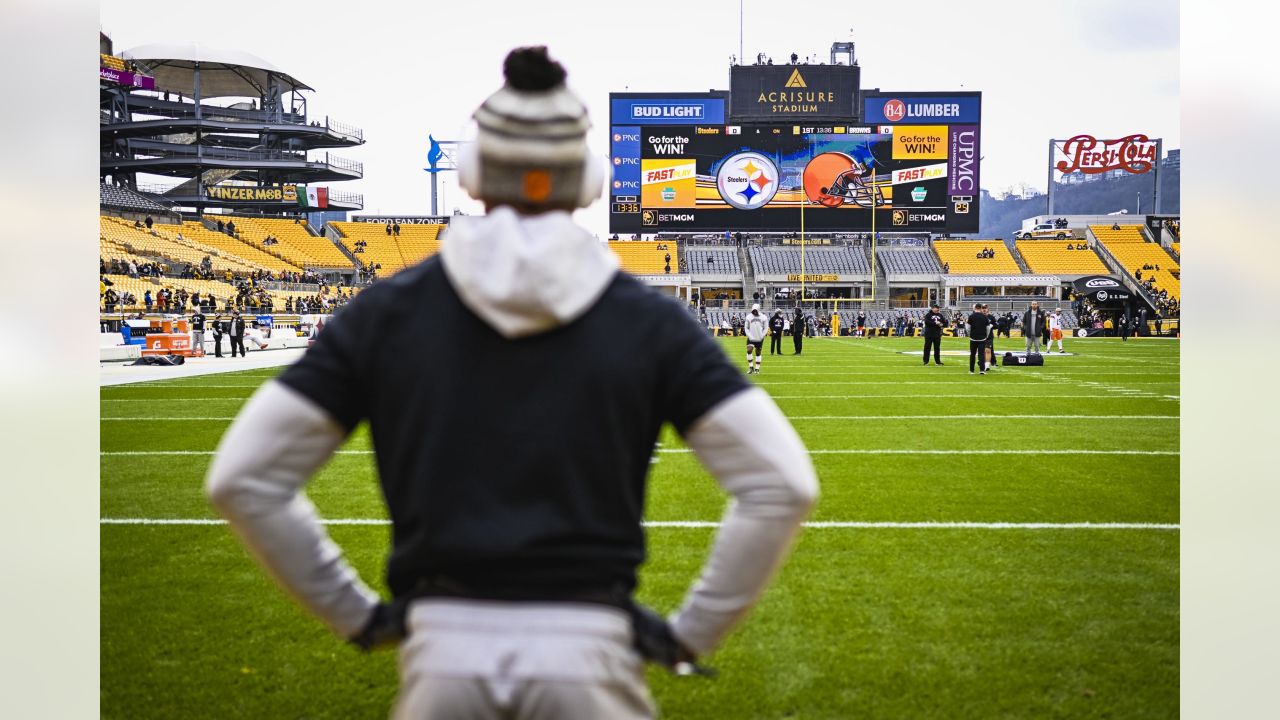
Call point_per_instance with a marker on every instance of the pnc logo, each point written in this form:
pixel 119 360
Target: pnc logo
pixel 895 110
pixel 617 137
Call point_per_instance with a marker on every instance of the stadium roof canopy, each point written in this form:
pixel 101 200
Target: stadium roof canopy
pixel 223 73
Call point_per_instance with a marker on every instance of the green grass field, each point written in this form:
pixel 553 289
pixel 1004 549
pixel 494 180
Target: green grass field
pixel 869 619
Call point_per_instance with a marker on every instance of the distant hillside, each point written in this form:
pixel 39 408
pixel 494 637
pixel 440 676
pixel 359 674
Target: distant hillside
pixel 1001 217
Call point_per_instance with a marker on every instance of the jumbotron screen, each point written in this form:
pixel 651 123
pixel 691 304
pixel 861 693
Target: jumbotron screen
pixel 761 177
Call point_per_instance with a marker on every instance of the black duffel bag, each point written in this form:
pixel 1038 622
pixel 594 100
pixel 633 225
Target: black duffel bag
pixel 1023 360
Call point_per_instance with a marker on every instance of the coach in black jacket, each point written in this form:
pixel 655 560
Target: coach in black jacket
pixel 933 324
pixel 797 330
pixel 219 329
pixel 237 334
pixel 979 332
pixel 776 325
pixel 1033 326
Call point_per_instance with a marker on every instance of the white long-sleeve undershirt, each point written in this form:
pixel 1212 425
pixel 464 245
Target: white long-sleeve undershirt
pixel 281 439
pixel 757 457
pixel 277 442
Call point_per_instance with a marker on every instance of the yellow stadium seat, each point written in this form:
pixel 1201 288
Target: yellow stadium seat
pixel 394 253
pixel 1053 258
pixel 962 257
pixel 296 246
pixel 646 257
pixel 1125 234
pixel 234 247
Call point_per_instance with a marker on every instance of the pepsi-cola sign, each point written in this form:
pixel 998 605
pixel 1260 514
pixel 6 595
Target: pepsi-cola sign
pixel 1136 154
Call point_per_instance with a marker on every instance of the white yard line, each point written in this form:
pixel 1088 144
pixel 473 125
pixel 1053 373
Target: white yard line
pixel 930 396
pixel 845 451
pixel 698 524
pixel 152 418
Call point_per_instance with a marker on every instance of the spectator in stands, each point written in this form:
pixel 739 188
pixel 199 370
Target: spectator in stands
pixel 109 300
pixel 1115 226
pixel 388 229
pixel 221 226
pixel 149 222
pixel 137 224
pixel 395 229
pixel 146 300
pixel 231 228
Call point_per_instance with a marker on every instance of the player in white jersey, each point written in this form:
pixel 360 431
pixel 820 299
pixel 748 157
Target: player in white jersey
pixel 756 326
pixel 1055 330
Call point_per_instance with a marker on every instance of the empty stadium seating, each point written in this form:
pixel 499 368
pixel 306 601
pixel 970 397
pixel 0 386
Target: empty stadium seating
pixel 644 257
pixel 712 260
pixel 1053 258
pixel 166 245
pixel 414 244
pixel 296 245
pixel 1132 250
pixel 962 256
pixel 908 262
pixel 1177 248
pixel 125 199
pixel 1125 233
pixel 833 260
pixel 228 246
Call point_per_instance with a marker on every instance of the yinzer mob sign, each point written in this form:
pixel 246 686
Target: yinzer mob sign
pixel 254 194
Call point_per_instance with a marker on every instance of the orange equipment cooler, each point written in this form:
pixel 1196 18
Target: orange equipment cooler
pixel 172 339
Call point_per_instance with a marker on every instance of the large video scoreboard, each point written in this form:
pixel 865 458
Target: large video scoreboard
pixel 915 169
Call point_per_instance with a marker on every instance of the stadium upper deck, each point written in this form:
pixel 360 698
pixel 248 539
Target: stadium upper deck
pixel 229 126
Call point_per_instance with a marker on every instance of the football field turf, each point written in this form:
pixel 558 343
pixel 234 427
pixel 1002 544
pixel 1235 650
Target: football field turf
pixel 999 546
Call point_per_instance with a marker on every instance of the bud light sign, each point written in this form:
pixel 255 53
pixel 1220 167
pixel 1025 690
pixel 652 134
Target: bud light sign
pixel 667 111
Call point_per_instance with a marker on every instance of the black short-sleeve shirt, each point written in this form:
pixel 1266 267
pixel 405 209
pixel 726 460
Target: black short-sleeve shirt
pixel 513 464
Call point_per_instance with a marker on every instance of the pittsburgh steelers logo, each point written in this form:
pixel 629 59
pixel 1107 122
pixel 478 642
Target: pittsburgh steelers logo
pixel 747 180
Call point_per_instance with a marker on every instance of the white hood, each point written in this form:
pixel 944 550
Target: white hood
pixel 525 275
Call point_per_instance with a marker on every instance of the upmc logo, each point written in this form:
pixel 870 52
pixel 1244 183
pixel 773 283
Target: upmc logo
pixel 963 160
pixel 894 110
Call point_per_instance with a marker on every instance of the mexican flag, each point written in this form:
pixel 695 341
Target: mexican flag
pixel 313 197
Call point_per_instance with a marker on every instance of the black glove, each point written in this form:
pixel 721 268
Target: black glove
pixel 657 644
pixel 386 627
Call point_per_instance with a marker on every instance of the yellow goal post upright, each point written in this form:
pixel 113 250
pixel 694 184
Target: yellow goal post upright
pixel 804 200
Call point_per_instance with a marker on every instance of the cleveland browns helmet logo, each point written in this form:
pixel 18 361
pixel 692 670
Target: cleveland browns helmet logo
pixel 832 179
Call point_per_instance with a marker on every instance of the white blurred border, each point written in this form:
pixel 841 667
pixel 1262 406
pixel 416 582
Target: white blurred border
pixel 48 370
pixel 48 362
pixel 1230 432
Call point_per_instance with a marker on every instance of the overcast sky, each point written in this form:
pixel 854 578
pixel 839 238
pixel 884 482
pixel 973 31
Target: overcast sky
pixel 400 71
